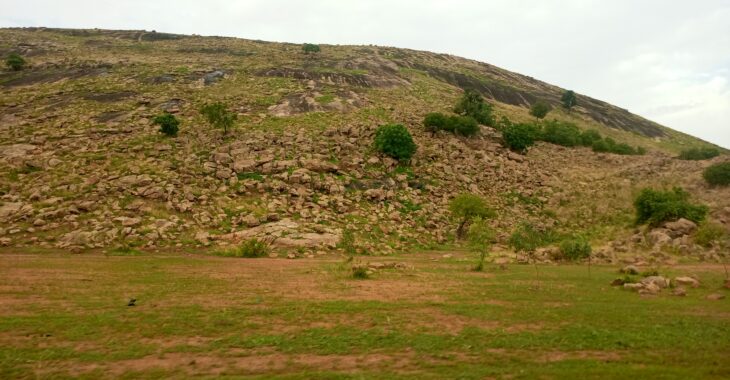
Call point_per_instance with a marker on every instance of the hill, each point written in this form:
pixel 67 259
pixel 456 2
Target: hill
pixel 85 167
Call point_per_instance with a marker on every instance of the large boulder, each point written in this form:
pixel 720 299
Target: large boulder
pixel 680 227
pixel 659 237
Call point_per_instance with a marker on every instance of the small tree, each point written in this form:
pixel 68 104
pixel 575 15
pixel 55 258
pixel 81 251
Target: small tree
pixel 169 124
pixel 540 109
pixel 657 206
pixel 526 238
pixel 576 248
pixel 395 141
pixel 218 116
pixel 310 48
pixel 434 122
pixel 15 62
pixel 519 137
pixel 467 207
pixel 481 237
pixel 569 99
pixel 718 174
pixel 464 125
pixel 473 104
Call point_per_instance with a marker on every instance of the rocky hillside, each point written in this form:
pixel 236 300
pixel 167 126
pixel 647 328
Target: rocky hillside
pixel 84 167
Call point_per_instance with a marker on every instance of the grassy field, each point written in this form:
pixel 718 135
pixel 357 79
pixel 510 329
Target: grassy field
pixel 66 316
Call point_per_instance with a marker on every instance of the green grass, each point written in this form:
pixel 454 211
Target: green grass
pixel 71 320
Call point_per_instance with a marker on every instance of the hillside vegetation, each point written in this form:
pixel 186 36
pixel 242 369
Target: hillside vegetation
pixel 129 139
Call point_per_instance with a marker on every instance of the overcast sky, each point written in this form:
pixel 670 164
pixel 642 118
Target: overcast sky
pixel 666 60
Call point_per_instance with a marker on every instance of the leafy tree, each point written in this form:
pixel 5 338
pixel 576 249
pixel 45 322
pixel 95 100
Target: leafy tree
pixel 526 238
pixel 575 248
pixel 464 125
pixel 473 104
pixel 310 48
pixel 519 137
pixel 587 138
pixel 569 100
pixel 699 154
pixel 565 134
pixel 218 116
pixel 395 141
pixel 540 109
pixel 15 62
pixel 434 122
pixel 169 124
pixel 467 207
pixel 658 206
pixel 481 237
pixel 718 174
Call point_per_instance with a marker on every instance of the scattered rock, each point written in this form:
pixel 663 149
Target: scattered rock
pixel 715 297
pixel 630 269
pixel 687 281
pixel 658 281
pixel 679 292
pixel 680 228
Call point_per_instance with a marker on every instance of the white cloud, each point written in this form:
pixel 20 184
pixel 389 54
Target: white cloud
pixel 668 61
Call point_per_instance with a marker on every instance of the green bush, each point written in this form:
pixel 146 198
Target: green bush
pixel 565 134
pixel 709 234
pixel 575 249
pixel 464 125
pixel 528 238
pixel 569 99
pixel 658 206
pixel 540 109
pixel 698 154
pixel 718 174
pixel 435 121
pixel 587 138
pixel 519 137
pixel 311 48
pixel 395 141
pixel 169 124
pixel 472 104
pixel 252 248
pixel 608 145
pixel 466 207
pixel 15 62
pixel 218 116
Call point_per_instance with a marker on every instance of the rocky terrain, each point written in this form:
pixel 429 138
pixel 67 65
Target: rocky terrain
pixel 83 167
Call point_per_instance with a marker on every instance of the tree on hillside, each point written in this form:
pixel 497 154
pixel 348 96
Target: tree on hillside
pixel 540 109
pixel 15 62
pixel 395 141
pixel 481 237
pixel 310 48
pixel 569 100
pixel 218 116
pixel 472 104
pixel 467 207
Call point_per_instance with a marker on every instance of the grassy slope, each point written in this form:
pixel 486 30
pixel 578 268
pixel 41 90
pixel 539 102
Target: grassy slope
pixel 67 316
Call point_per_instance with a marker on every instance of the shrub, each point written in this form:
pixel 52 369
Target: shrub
pixel 519 137
pixel 658 206
pixel 311 48
pixel 699 154
pixel 575 249
pixel 395 141
pixel 435 121
pixel 709 234
pixel 718 174
pixel 608 145
pixel 252 248
pixel 569 99
pixel 528 238
pixel 360 271
pixel 565 134
pixel 218 116
pixel 587 138
pixel 472 104
pixel 15 62
pixel 540 109
pixel 481 237
pixel 168 124
pixel 464 125
pixel 467 207
pixel 347 242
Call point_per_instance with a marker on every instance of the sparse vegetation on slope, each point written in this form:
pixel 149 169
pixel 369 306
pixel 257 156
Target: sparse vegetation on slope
pixel 718 174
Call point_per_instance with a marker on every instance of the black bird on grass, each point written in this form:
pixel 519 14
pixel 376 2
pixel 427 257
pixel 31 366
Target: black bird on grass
pixel 132 302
